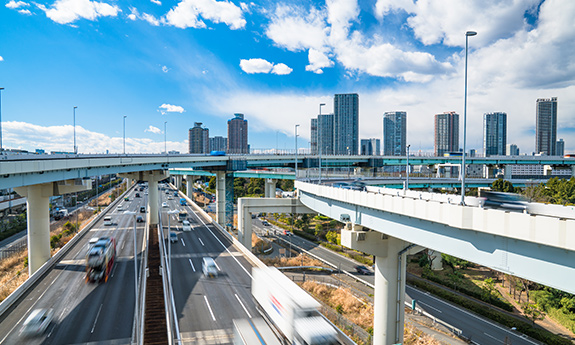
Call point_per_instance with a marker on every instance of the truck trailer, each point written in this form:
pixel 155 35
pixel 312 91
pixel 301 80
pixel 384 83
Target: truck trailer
pixel 293 312
pixel 100 259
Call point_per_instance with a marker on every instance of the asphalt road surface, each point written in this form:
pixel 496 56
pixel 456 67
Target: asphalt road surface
pixel 84 312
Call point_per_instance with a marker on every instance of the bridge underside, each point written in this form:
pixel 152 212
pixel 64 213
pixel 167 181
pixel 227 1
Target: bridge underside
pixel 543 264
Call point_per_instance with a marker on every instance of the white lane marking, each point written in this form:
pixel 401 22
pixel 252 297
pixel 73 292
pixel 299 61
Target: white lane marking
pixel 474 316
pixel 227 250
pixel 210 308
pixel 492 337
pixel 243 306
pixel 114 270
pixel 201 241
pixel 96 320
pixel 218 267
pixel 123 244
pixel 181 239
pixel 425 304
pixel 192 265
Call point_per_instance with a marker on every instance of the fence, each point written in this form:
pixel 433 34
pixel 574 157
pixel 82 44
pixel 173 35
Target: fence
pixel 16 248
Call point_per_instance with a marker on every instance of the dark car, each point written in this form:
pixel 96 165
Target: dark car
pixel 142 209
pixel 265 223
pixel 137 195
pixel 362 270
pixel 139 219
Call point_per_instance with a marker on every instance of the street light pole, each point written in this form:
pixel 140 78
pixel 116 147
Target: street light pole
pixel 407 170
pixel 1 147
pixel 165 145
pixel 467 34
pixel 133 213
pixel 319 139
pixel 75 148
pixel 296 126
pixel 125 134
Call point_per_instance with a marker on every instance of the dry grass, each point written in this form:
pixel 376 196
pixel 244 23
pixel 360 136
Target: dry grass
pixel 360 312
pixel 300 260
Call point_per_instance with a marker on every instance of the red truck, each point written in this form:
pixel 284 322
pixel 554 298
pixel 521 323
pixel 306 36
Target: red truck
pixel 100 259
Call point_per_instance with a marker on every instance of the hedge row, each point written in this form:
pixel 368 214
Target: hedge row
pixel 506 320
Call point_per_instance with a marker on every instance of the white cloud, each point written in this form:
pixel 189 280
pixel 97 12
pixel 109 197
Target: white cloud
pixel 132 16
pixel 281 69
pixel 153 129
pixel 25 11
pixel 16 4
pixel 29 136
pixel 188 12
pixel 317 61
pixel 165 69
pixel 68 11
pixel 169 108
pixel 263 66
pixel 289 22
pixel 151 19
pixel 1 58
pixel 256 66
pixel 157 2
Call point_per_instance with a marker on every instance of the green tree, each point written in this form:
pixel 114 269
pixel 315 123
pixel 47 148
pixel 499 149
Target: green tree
pixel 502 186
pixel 532 312
pixel 332 236
pixel 212 183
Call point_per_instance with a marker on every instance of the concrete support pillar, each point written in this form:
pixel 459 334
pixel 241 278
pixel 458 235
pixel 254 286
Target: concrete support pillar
pixel 435 258
pixel 244 223
pixel 37 202
pixel 389 292
pixel 225 198
pixel 270 188
pixel 38 216
pixel 507 172
pixel 153 217
pixel 488 171
pixel 190 186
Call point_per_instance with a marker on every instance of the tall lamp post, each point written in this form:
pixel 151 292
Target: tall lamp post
pixel 467 34
pixel 133 213
pixel 407 169
pixel 1 147
pixel 165 145
pixel 296 126
pixel 125 133
pixel 319 139
pixel 75 148
pixel 170 244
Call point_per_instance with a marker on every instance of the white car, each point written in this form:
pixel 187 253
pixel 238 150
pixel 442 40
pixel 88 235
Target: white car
pixel 37 322
pixel 164 204
pixel 120 207
pixel 186 226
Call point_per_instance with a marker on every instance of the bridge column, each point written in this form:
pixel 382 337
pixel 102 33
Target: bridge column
pixel 244 223
pixel 389 292
pixel 152 177
pixel 38 216
pixel 224 198
pixel 435 258
pixel 190 186
pixel 270 188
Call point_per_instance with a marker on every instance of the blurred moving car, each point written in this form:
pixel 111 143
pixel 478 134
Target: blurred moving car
pixel 362 270
pixel 209 267
pixel 37 322
pixel 164 204
pixel 173 237
pixel 139 219
pixel 265 223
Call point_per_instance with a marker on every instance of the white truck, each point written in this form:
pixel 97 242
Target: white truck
pixel 292 310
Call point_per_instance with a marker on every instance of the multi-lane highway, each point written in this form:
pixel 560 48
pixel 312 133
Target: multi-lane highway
pixel 478 329
pixel 206 307
pixel 85 312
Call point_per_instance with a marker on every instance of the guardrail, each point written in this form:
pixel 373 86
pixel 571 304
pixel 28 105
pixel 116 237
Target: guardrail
pixel 19 292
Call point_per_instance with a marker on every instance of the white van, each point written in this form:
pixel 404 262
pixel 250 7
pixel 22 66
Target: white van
pixel 186 226
pixel 107 220
pixel 209 267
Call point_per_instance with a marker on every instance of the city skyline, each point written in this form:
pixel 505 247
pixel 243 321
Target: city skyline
pixel 157 63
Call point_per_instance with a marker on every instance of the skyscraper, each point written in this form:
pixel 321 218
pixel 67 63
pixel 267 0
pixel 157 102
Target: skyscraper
pixel 238 134
pixel 560 147
pixel 546 126
pixel 198 139
pixel 446 133
pixel 218 143
pixel 313 134
pixel 512 150
pixel 346 124
pixel 322 134
pixel 494 134
pixel 394 133
pixel 370 147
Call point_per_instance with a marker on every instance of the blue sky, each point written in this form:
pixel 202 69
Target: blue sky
pixel 275 61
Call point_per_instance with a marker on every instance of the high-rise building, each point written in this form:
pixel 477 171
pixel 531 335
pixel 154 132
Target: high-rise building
pixel 325 140
pixel 494 134
pixel 546 126
pixel 198 139
pixel 346 124
pixel 446 133
pixel 238 135
pixel 370 147
pixel 313 134
pixel 394 133
pixel 560 147
pixel 512 150
pixel 218 143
